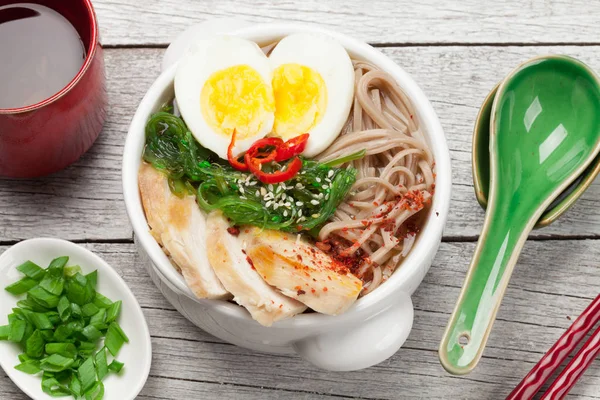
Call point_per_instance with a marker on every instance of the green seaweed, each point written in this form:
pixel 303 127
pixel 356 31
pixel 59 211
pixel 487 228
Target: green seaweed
pixel 303 203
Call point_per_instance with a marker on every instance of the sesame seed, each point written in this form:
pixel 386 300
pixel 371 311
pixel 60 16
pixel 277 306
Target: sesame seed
pixel 299 203
pixel 241 189
pixel 263 191
pixel 327 180
pixel 289 187
pixel 330 173
pixel 275 206
pixel 268 204
pixel 299 186
pixel 314 202
pixel 257 193
pixel 316 215
pixel 270 187
pixel 301 219
pixel 287 204
pixel 285 213
pixel 253 183
pixel 327 196
pixel 243 197
pixel 318 179
pixel 299 213
pixel 283 196
pixel 324 186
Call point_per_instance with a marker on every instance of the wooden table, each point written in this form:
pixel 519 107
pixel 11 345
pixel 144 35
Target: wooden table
pixel 456 51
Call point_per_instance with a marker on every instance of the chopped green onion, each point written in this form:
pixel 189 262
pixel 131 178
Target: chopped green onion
pixel 58 326
pixel 64 349
pixel 44 297
pixel 56 363
pixel 89 309
pixel 58 263
pixel 53 283
pixel 31 270
pixel 87 374
pixel 21 286
pixel 101 363
pixel 69 272
pixel 64 308
pixel 4 332
pixel 113 311
pixel 86 349
pixel 96 392
pixel 92 278
pixel 79 290
pixel 76 310
pixel 115 366
pixel 30 367
pixel 91 333
pixel 114 339
pixel 62 333
pixel 75 386
pixel 99 319
pixel 52 387
pixel 17 330
pixel 34 346
pixel 54 317
pixel 41 321
pixel 102 302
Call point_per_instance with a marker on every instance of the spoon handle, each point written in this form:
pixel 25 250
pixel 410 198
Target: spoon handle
pixel 487 278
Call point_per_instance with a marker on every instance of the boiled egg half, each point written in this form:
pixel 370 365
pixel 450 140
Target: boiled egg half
pixel 224 83
pixel 313 86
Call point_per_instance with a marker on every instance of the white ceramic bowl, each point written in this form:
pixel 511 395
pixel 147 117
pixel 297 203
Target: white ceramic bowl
pixel 137 354
pixel 375 327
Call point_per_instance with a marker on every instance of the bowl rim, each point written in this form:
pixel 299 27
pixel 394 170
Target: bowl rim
pixel 426 243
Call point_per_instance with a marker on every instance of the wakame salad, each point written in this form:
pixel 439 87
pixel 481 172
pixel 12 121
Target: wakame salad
pixel 303 203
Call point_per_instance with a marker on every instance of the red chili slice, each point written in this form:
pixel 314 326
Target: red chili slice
pixel 274 177
pixel 293 147
pixel 261 156
pixel 235 163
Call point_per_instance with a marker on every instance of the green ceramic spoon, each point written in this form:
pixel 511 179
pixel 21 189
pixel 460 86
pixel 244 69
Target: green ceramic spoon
pixel 545 131
pixel 481 169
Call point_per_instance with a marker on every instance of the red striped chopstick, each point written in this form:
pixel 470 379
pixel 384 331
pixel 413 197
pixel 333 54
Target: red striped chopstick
pixel 534 380
pixel 567 378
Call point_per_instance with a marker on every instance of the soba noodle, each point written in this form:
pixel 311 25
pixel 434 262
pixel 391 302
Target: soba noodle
pixel 395 179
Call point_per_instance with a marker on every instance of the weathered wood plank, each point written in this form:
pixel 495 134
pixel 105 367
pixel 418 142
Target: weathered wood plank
pixel 136 22
pixel 554 279
pixel 85 201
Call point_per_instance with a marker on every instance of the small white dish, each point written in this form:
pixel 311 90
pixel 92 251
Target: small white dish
pixel 137 354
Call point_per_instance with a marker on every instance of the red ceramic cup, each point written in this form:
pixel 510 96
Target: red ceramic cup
pixel 46 137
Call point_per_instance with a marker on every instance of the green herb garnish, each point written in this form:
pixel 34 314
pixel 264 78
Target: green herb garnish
pixel 302 203
pixel 59 326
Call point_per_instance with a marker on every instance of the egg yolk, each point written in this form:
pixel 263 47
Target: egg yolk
pixel 236 98
pixel 300 99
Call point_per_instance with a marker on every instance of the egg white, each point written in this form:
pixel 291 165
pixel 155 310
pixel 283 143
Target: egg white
pixel 326 56
pixel 204 58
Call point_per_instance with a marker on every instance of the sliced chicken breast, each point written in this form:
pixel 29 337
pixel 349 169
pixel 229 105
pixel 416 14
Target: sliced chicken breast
pixel 234 268
pixel 179 226
pixel 301 271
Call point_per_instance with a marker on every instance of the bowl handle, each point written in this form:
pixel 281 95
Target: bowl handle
pixel 374 340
